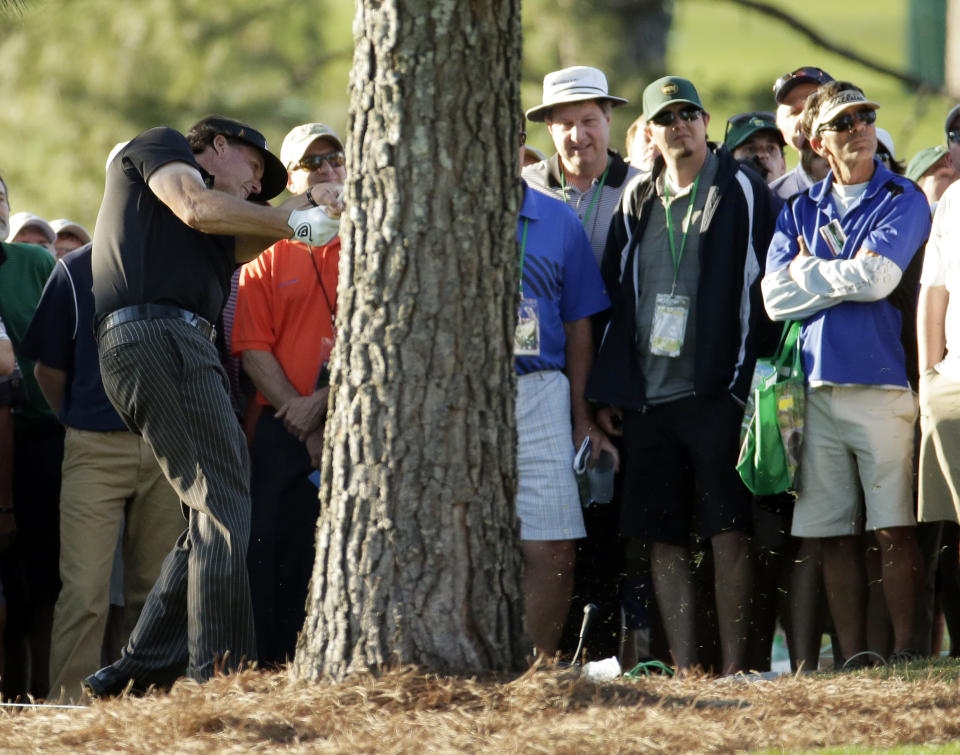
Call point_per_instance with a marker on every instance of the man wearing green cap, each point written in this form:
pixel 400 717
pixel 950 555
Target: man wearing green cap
pixel 754 137
pixel 933 171
pixel 682 267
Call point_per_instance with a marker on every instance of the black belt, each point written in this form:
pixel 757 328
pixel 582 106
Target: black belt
pixel 156 312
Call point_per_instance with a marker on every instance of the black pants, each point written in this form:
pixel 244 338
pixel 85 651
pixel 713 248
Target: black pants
pixel 282 537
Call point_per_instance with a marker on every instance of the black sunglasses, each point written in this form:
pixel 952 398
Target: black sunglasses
pixel 953 136
pixel 669 117
pixel 846 121
pixel 739 120
pixel 807 73
pixel 315 162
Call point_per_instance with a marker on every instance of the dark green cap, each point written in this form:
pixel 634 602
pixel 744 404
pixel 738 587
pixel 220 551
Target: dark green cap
pixel 742 127
pixel 667 91
pixel 925 159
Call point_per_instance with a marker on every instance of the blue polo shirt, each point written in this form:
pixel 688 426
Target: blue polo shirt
pixel 855 342
pixel 560 272
pixel 61 336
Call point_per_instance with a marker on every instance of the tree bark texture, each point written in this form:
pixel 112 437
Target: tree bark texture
pixel 418 557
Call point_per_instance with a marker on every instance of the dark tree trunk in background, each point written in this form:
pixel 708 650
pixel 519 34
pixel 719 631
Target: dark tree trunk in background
pixel 418 557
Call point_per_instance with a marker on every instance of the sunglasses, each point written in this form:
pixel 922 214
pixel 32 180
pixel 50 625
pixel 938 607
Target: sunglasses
pixel 807 73
pixel 523 138
pixel 315 162
pixel 739 120
pixel 669 117
pixel 953 136
pixel 846 121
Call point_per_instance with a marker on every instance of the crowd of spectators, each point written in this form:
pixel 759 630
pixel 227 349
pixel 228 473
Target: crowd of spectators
pixel 650 285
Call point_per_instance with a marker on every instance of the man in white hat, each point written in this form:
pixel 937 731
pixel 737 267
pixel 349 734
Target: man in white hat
pixel 584 172
pixel 589 177
pixel 283 331
pixel 27 228
pixel 70 236
pixel 844 262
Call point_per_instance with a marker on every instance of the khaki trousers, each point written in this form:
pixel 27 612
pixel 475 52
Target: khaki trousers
pixel 110 481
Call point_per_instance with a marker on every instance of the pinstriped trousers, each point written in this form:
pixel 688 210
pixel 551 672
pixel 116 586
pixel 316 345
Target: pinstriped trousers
pixel 166 382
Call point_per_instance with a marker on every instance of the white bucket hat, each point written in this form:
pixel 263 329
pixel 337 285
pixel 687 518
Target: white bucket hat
pixel 573 84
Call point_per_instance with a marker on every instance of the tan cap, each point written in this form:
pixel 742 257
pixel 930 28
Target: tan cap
pixel 21 220
pixel 574 84
pixel 62 225
pixel 296 142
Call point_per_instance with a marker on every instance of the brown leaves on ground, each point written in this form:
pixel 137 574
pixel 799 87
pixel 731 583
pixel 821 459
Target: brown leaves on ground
pixel 550 711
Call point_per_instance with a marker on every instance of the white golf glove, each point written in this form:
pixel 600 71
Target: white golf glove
pixel 313 226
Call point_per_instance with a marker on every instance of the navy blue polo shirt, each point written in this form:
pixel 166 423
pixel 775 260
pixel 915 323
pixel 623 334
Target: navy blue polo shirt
pixel 61 336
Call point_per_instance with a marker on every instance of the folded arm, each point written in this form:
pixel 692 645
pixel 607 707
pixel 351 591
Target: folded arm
pixel 810 284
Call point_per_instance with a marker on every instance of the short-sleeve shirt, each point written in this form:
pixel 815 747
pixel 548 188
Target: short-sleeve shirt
pixel 61 336
pixel 24 269
pixel 142 252
pixel 855 342
pixel 560 272
pixel 286 303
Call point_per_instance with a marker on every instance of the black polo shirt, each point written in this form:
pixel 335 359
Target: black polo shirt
pixel 143 253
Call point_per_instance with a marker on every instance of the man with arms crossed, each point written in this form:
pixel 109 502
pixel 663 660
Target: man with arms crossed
pixel 843 260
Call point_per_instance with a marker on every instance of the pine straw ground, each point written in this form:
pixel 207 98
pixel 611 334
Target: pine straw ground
pixel 549 711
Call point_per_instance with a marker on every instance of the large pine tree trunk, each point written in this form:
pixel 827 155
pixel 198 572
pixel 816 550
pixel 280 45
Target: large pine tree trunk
pixel 417 548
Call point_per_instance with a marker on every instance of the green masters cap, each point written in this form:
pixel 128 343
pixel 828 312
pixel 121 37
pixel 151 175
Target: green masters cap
pixel 667 91
pixel 742 127
pixel 925 159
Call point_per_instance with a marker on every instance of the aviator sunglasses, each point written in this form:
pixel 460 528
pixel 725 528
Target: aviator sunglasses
pixel 315 162
pixel 669 117
pixel 846 121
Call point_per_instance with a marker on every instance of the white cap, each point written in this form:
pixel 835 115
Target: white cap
pixel 838 103
pixel 62 225
pixel 21 220
pixel 296 142
pixel 883 136
pixel 574 84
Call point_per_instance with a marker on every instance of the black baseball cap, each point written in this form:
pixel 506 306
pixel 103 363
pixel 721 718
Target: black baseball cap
pixel 803 75
pixel 274 174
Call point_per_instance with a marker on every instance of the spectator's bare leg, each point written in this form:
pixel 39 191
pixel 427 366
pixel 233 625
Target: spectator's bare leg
pixel 805 626
pixel 900 561
pixel 733 582
pixel 670 567
pixel 547 587
pixel 845 580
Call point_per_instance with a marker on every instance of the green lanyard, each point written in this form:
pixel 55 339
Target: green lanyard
pixel 593 201
pixel 686 222
pixel 523 251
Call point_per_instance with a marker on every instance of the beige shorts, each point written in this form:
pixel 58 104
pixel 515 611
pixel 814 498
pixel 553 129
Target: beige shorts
pixel 939 447
pixel 857 447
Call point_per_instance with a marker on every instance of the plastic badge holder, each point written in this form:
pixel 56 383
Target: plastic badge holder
pixel 601 479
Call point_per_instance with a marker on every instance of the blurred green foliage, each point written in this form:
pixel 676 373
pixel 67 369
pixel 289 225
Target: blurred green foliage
pixel 80 75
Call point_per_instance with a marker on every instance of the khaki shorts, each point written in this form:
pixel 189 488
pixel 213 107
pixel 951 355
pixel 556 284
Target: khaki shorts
pixel 857 446
pixel 939 447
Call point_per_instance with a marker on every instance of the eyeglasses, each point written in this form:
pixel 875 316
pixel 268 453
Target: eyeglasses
pixel 669 117
pixel 807 73
pixel 739 120
pixel 846 121
pixel 315 162
pixel 953 136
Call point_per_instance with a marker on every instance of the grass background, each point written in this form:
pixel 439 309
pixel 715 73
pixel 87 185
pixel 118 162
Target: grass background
pixel 733 55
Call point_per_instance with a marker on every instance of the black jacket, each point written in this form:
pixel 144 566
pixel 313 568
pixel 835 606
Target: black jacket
pixel 738 222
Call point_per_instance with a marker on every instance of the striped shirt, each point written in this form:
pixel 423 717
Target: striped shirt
pixel 545 177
